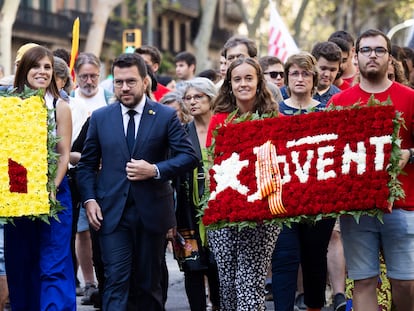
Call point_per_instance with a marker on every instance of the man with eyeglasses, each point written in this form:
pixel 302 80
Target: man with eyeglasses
pixel 89 96
pixel 140 146
pixel 394 235
pixel 240 46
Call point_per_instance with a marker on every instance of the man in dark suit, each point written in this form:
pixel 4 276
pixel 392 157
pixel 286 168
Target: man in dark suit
pixel 127 194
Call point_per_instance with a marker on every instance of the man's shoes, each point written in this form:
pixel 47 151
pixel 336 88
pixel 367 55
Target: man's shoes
pixel 268 292
pixel 96 299
pixel 79 290
pixel 89 289
pixel 339 302
pixel 300 302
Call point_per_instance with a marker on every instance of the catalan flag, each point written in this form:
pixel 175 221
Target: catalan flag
pixel 75 46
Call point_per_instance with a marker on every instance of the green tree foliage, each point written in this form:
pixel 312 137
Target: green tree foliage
pixel 311 21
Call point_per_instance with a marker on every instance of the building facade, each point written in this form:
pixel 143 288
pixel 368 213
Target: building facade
pixel 171 25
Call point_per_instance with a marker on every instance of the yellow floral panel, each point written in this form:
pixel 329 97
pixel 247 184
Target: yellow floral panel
pixel 23 139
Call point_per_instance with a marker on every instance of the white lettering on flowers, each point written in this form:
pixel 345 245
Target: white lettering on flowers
pixel 359 157
pixel 323 162
pixel 302 171
pixel 226 173
pixel 311 140
pixel 379 143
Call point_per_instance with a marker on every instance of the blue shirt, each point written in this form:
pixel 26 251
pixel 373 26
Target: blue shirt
pixel 325 97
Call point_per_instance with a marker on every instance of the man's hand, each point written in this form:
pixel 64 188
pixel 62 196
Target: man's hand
pixel 140 170
pixel 94 213
pixel 171 233
pixel 405 156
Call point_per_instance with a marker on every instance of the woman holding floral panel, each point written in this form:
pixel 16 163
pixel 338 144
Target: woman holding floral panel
pixel 38 256
pixel 242 253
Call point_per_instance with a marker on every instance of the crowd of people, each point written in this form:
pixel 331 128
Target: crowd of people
pixel 132 173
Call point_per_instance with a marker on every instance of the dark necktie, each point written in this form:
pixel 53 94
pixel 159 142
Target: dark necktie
pixel 130 137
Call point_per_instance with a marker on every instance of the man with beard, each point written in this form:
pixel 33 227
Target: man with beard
pixel 395 234
pixel 137 146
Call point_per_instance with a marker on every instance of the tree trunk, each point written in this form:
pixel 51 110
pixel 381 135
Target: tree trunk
pixel 202 40
pixel 252 24
pixel 7 17
pixel 299 19
pixel 102 10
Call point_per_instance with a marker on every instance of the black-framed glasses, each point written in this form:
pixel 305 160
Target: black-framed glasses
pixel 367 50
pixel 305 74
pixel 129 82
pixel 196 97
pixel 84 77
pixel 275 74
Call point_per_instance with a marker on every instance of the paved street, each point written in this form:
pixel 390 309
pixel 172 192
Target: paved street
pixel 177 300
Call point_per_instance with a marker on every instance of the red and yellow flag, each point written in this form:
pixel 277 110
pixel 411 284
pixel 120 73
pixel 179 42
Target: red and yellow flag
pixel 75 47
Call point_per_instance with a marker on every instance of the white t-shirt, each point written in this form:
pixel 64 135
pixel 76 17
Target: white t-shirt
pixel 82 107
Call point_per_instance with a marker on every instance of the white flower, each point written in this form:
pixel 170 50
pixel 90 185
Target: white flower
pixel 226 173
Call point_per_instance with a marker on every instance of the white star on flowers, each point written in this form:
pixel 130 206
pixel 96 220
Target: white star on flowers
pixel 226 175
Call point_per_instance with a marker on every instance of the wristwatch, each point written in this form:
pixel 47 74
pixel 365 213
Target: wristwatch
pixel 411 157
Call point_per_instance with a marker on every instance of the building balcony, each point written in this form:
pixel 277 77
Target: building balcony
pixel 189 8
pixel 36 21
pixel 60 23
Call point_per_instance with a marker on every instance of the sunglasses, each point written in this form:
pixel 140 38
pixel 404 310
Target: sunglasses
pixel 275 74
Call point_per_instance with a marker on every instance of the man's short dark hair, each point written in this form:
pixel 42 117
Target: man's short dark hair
pixel 152 51
pixel 267 61
pixel 343 35
pixel 210 74
pixel 186 57
pixel 344 45
pixel 127 60
pixel 63 54
pixel 237 40
pixel 328 50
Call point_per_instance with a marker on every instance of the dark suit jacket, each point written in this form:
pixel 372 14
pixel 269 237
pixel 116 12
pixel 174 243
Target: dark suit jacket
pixel 159 133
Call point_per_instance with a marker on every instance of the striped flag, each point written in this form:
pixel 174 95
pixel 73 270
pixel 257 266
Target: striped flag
pixel 281 43
pixel 75 46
